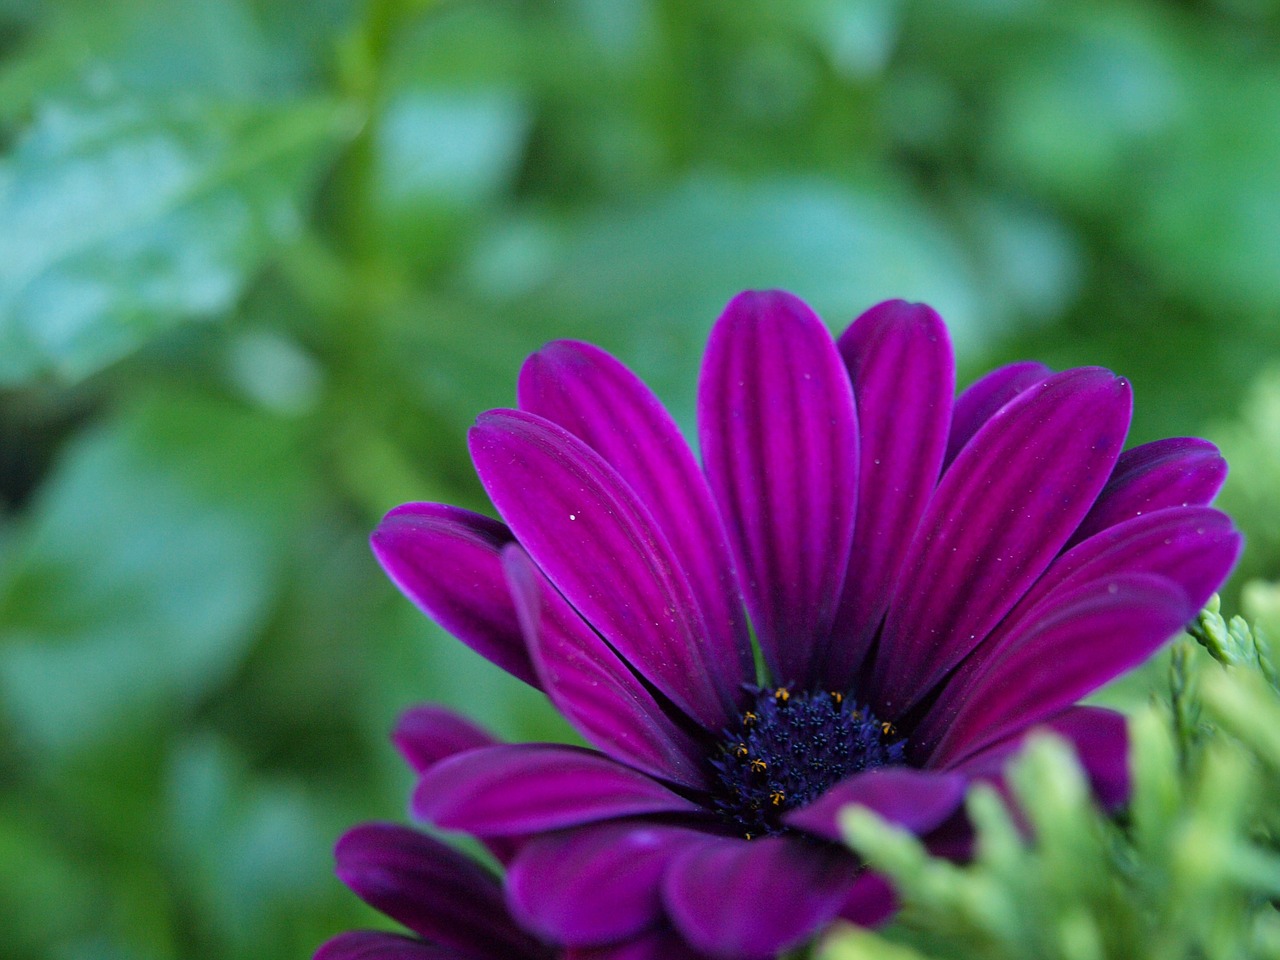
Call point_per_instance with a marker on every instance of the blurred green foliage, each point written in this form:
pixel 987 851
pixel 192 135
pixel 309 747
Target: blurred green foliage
pixel 262 262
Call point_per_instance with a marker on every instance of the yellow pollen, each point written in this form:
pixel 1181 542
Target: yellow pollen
pixel 888 729
pixel 837 696
pixel 782 694
pixel 740 751
pixel 758 766
pixel 777 797
pixel 749 718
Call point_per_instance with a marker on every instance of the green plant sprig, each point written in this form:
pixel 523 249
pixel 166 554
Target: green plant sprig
pixel 1188 870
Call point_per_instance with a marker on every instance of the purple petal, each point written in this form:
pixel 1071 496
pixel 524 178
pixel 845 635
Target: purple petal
pixel 919 800
pixel 594 885
pixel 752 899
pixel 1178 472
pixel 1194 547
pixel 1101 741
pixel 374 945
pixel 660 944
pixel 596 398
pixel 871 902
pixel 955 839
pixel 984 397
pixel 591 686
pixel 1089 638
pixel 445 560
pixel 899 357
pixel 427 734
pixel 432 889
pixel 780 441
pixel 585 528
pixel 1001 513
pixel 526 788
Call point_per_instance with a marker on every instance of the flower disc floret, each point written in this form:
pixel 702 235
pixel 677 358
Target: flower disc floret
pixel 788 749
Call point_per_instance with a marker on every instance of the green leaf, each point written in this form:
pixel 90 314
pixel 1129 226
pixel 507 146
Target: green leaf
pixel 222 49
pixel 33 875
pixel 1208 213
pixel 1084 104
pixel 853 944
pixel 1234 642
pixel 450 149
pixel 857 36
pixel 147 566
pixel 254 850
pixel 1241 702
pixel 122 221
pixel 442 157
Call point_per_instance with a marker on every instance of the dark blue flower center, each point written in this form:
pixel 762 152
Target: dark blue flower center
pixel 788 749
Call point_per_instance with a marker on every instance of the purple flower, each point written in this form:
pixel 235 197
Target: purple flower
pixel 454 906
pixel 926 578
pixel 452 903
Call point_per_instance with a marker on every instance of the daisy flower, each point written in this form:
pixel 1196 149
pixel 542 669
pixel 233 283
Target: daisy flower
pixel 868 592
pixel 452 906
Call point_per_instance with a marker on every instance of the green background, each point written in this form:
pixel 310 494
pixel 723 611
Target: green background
pixel 262 263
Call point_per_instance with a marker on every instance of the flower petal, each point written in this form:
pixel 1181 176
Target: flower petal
pixel 1194 547
pixel 899 358
pixel 585 528
pixel 749 900
pixel 1181 471
pixel 432 889
pixel 779 437
pixel 526 788
pixel 427 734
pixel 871 902
pixel 597 884
pixel 1101 740
pixel 593 396
pixel 375 945
pixel 1090 637
pixel 660 944
pixel 919 800
pixel 1003 510
pixel 445 559
pixel 977 404
pixel 591 685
